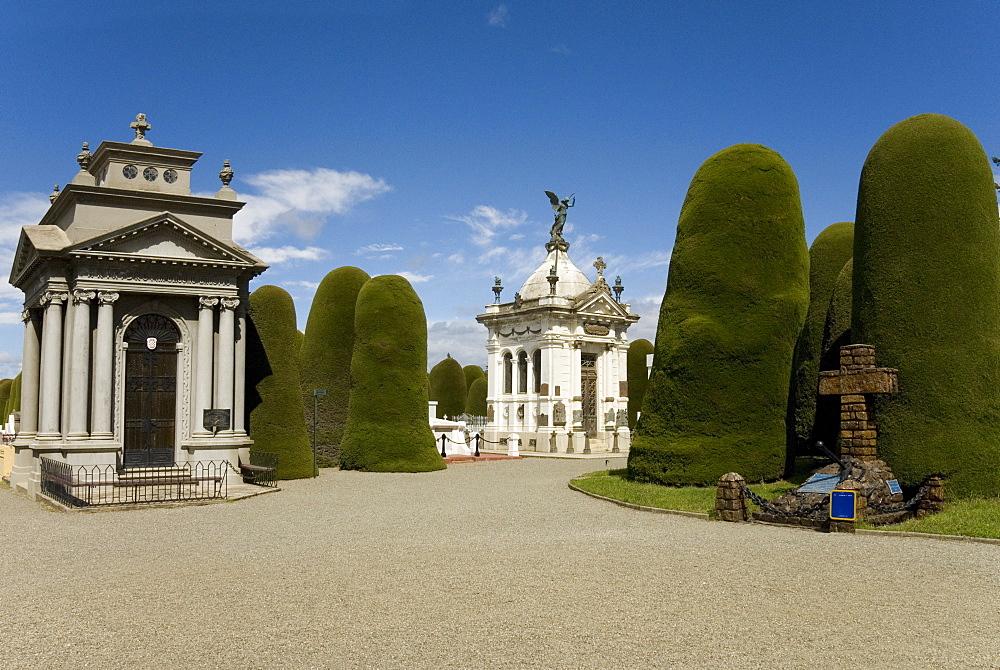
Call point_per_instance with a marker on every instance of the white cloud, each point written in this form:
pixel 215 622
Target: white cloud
pixel 272 255
pixel 302 284
pixel 487 222
pixel 500 16
pixel 465 340
pixel 377 248
pixel 456 258
pixel 414 278
pixel 20 209
pixel 300 201
pixel 10 364
pixel 623 264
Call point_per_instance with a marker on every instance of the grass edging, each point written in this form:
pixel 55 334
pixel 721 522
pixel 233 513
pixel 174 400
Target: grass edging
pixel 857 531
pixel 642 508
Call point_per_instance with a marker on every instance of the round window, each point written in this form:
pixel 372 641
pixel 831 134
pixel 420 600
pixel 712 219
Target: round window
pixel 150 174
pixel 130 171
pixel 170 176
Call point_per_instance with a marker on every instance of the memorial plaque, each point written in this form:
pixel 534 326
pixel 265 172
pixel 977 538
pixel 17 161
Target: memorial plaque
pixel 842 505
pixel 543 420
pixel 894 486
pixel 216 419
pixel 820 483
pixel 621 419
pixel 609 416
pixel 543 389
pixel 577 416
pixel 559 414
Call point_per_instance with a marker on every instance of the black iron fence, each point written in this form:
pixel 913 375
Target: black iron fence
pixel 261 470
pixel 85 485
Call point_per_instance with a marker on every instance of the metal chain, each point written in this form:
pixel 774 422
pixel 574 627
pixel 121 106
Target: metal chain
pixel 888 509
pixel 766 506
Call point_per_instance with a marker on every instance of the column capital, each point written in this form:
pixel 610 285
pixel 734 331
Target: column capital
pixel 54 297
pixel 207 302
pixel 80 295
pixel 229 303
pixel 27 314
pixel 106 297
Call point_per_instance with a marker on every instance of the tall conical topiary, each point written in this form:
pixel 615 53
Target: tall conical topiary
pixel 387 429
pixel 472 373
pixel 14 401
pixel 836 333
pixel 830 250
pixel 325 357
pixel 5 393
pixel 926 281
pixel 637 377
pixel 475 402
pixel 277 415
pixel 736 298
pixel 447 387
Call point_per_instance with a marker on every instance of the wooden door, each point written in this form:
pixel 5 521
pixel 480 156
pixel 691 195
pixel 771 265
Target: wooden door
pixel 150 391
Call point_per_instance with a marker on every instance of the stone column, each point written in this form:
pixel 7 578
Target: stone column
pixel 227 354
pixel 730 500
pixel 79 371
pixel 239 388
pixel 50 389
pixel 31 360
pixel 104 354
pixel 203 372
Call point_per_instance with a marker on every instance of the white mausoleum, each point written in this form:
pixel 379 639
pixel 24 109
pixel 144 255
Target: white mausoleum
pixel 557 360
pixel 134 313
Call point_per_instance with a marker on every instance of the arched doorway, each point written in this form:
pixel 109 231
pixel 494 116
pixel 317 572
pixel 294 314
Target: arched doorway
pixel 150 391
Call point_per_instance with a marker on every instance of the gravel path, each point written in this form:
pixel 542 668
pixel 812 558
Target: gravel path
pixel 485 565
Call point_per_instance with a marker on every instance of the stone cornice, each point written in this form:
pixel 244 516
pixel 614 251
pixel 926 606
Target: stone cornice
pixel 84 194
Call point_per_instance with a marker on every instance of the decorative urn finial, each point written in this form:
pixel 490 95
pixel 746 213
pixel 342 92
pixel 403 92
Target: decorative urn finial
pixel 226 174
pixel 83 158
pixel 54 194
pixel 618 288
pixel 497 289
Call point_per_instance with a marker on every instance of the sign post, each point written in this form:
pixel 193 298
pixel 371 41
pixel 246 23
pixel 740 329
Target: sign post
pixel 843 505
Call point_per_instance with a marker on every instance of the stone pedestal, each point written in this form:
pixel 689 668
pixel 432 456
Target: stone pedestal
pixel 933 500
pixel 730 500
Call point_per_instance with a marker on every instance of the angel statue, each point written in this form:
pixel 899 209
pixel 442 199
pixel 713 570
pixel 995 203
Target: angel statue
pixel 559 207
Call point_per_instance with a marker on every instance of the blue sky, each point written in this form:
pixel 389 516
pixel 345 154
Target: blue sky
pixel 418 137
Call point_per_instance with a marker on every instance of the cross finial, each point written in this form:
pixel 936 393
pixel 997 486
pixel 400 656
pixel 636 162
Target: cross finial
pixel 140 126
pixel 600 265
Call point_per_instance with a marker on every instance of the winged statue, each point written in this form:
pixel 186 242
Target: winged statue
pixel 559 207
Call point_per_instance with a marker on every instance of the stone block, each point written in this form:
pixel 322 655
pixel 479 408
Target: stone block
pixel 849 398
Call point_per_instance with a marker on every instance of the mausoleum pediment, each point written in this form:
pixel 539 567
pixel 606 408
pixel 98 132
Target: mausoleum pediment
pixel 599 302
pixel 164 238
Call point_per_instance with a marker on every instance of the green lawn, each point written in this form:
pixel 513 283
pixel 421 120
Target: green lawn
pixel 977 517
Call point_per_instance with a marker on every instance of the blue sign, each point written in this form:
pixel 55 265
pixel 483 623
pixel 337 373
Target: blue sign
pixel 842 505
pixel 894 487
pixel 820 483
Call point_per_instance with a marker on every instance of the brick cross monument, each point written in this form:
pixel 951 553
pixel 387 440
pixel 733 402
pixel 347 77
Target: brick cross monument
pixel 856 380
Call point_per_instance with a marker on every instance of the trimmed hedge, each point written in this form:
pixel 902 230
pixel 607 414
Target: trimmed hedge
pixel 387 428
pixel 830 250
pixel 5 393
pixel 736 298
pixel 926 281
pixel 472 373
pixel 836 333
pixel 475 403
pixel 447 387
pixel 14 401
pixel 325 357
pixel 274 394
pixel 637 377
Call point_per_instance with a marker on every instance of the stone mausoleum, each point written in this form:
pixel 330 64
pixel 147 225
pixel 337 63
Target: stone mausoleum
pixel 557 359
pixel 134 317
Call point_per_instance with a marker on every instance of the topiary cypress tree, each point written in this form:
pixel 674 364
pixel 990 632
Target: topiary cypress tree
pixel 14 401
pixel 926 281
pixel 830 250
pixel 447 386
pixel 836 333
pixel 475 403
pixel 387 428
pixel 276 413
pixel 737 294
pixel 325 357
pixel 472 373
pixel 637 377
pixel 5 388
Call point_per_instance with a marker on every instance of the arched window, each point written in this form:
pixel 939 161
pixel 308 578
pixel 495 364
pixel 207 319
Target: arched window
pixel 508 373
pixel 522 372
pixel 536 370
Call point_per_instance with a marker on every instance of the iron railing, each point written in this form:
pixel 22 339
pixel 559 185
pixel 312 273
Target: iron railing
pixel 87 485
pixel 261 469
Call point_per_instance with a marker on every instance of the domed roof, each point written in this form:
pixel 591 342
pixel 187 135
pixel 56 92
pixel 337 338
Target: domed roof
pixel 572 282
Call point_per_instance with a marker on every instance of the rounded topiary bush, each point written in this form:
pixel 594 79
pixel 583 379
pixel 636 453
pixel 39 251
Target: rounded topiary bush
pixel 387 428
pixel 836 333
pixel 472 373
pixel 274 393
pixel 926 281
pixel 827 255
pixel 637 377
pixel 447 387
pixel 325 357
pixel 475 403
pixel 736 298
